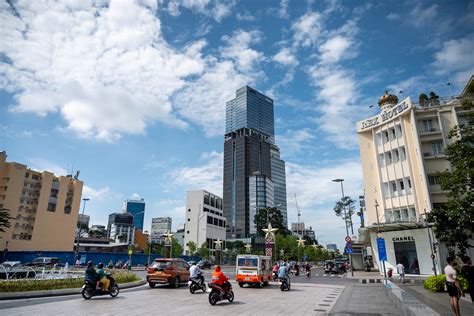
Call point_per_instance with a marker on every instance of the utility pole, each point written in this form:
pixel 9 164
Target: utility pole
pixel 80 227
pixel 378 232
pixel 345 219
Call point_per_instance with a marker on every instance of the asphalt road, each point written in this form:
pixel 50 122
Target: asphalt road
pixel 317 276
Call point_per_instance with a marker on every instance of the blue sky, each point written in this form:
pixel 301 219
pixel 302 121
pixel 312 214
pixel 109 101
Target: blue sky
pixel 133 93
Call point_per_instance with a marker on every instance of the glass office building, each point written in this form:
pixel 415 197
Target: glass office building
pixel 250 155
pixel 137 209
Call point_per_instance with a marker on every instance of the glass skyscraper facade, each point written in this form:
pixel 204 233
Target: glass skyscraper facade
pixel 251 161
pixel 137 209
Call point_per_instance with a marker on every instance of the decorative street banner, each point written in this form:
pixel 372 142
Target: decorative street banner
pixel 268 252
pixel 268 249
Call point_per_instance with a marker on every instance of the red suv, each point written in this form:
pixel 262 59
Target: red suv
pixel 170 271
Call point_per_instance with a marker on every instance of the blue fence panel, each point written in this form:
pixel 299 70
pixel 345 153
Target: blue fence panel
pixel 70 257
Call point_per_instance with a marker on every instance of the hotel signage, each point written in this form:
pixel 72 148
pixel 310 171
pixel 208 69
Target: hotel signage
pixel 385 115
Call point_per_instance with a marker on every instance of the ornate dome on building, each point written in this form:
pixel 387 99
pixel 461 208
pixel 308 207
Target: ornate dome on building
pixel 388 98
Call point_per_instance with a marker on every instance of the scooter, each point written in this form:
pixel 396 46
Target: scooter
pixel 89 289
pixel 284 284
pixel 196 284
pixel 217 294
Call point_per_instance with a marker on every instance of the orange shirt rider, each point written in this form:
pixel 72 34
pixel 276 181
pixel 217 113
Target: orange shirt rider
pixel 218 276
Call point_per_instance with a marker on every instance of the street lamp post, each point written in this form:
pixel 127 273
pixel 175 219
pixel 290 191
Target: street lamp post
pixel 80 227
pixel 345 219
pixel 378 232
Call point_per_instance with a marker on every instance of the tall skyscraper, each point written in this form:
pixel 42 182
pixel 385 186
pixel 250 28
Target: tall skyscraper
pixel 137 209
pixel 253 170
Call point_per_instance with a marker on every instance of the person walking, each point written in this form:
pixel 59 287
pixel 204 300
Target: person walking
pixel 415 267
pixel 467 271
pixel 452 284
pixel 401 271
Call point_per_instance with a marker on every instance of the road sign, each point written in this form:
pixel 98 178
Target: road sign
pixel 349 250
pixel 348 239
pixel 381 249
pixel 349 245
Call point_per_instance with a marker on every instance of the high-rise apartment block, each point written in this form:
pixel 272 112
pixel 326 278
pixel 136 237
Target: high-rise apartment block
pixel 254 174
pixel 137 209
pixel 402 150
pixel 120 228
pixel 160 226
pixel 205 222
pixel 44 208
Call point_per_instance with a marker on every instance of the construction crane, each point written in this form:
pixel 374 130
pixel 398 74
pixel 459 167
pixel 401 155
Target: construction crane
pixel 299 215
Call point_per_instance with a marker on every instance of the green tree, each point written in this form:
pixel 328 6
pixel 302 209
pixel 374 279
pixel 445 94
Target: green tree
pixel 454 221
pixel 122 238
pixel 177 249
pixel 5 219
pixel 275 218
pixel 345 208
pixel 192 247
pixel 203 251
pixel 97 233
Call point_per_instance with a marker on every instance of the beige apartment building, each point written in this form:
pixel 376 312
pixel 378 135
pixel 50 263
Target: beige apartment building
pixel 44 208
pixel 402 149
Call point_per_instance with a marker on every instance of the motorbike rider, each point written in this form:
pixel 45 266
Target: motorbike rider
pixel 91 274
pixel 307 269
pixel 283 273
pixel 219 278
pixel 275 269
pixel 102 277
pixel 195 273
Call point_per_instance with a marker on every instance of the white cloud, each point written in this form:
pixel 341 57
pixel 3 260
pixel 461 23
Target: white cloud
pixel 337 90
pixel 335 49
pixel 96 194
pixel 214 9
pixel 238 49
pixel 40 164
pixel 286 57
pixel 245 16
pixel 236 67
pixel 456 57
pixel 295 141
pixel 207 176
pixel 107 70
pixel 314 187
pixel 422 16
pixel 283 10
pixel 392 16
pixel 307 29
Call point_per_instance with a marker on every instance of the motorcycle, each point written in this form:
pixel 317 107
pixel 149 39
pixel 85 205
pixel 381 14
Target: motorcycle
pixel 196 284
pixel 284 284
pixel 89 289
pixel 308 273
pixel 217 294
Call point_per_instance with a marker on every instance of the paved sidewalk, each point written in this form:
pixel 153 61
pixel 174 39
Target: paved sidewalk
pixel 438 301
pixel 364 299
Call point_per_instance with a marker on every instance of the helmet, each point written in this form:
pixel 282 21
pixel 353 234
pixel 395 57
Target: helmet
pixel 284 264
pixel 218 268
pixel 100 265
pixel 90 263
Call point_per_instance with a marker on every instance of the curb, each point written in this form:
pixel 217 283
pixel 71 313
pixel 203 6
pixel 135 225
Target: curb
pixel 365 281
pixel 60 292
pixel 406 303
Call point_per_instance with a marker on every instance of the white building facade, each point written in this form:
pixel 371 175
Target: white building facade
pixel 160 226
pixel 402 149
pixel 204 220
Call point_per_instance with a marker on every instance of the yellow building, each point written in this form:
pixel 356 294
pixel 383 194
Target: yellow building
pixel 44 208
pixel 401 151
